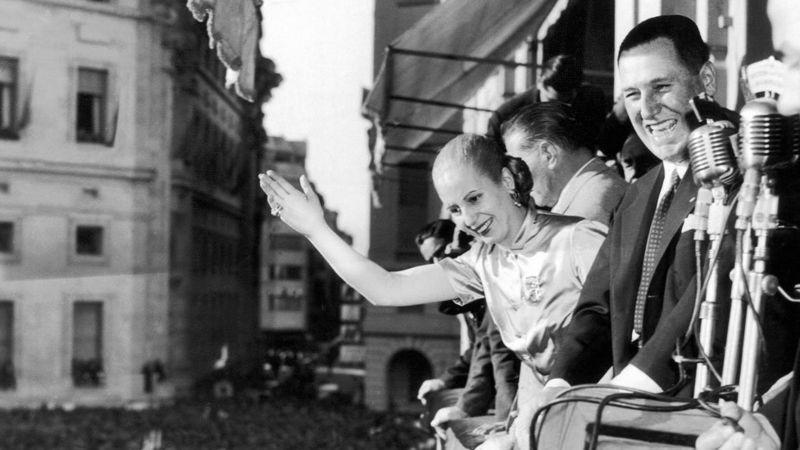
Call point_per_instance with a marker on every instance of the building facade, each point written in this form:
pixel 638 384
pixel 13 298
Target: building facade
pixel 402 346
pixel 284 279
pixel 126 222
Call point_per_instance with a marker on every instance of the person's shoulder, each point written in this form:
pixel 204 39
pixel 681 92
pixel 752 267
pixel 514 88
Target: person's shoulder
pixel 602 179
pixel 556 220
pixel 518 101
pixel 590 226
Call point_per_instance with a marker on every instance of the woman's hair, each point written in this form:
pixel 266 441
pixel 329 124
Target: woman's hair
pixel 487 158
pixel 562 73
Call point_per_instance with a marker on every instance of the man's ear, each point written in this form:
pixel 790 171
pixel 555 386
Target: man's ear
pixel 708 76
pixel 507 178
pixel 549 153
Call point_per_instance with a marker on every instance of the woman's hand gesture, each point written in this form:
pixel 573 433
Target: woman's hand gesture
pixel 300 210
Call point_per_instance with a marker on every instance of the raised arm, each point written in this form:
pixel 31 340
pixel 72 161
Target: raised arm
pixel 302 211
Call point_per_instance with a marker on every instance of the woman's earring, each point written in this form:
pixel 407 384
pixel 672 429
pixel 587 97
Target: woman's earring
pixel 515 197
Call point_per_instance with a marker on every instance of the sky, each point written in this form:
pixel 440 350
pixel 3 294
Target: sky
pixel 323 50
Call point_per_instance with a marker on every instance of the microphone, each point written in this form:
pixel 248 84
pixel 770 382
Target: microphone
pixel 711 155
pixel 761 136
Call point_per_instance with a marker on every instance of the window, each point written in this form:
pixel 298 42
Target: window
pixel 413 189
pixel 91 103
pixel 286 300
pixel 6 237
pixel 413 212
pixel 87 344
pixel 286 242
pixel 89 240
pixel 8 96
pixel 7 376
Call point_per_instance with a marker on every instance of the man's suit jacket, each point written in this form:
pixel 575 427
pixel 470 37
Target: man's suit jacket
pixel 493 374
pixel 593 193
pixel 601 328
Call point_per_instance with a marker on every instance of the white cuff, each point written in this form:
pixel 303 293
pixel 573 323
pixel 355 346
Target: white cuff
pixel 634 378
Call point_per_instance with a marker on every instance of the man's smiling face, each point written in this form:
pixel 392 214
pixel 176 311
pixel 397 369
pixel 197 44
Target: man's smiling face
pixel 657 87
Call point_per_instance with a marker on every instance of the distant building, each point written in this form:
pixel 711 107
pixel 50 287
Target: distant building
pixel 284 272
pixel 403 346
pixel 127 212
pixel 299 293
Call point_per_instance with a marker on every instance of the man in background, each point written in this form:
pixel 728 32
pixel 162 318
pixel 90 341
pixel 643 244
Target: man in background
pixel 567 177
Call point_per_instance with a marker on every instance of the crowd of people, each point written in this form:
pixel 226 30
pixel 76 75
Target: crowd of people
pixel 586 278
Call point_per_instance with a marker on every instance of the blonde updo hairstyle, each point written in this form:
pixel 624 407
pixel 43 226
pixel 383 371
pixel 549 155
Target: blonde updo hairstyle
pixel 487 158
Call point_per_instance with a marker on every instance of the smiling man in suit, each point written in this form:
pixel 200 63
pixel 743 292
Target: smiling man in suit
pixel 638 297
pixel 567 177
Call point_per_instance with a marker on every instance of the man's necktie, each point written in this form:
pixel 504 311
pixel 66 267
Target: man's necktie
pixel 653 242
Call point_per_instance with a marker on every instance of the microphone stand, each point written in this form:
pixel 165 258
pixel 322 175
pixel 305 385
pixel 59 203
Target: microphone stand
pixel 749 194
pixel 733 342
pixel 765 220
pixel 709 308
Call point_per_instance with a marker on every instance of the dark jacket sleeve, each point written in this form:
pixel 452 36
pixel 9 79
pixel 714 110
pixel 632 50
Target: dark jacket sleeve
pixel 479 388
pixel 456 375
pixel 494 374
pixel 584 351
pixel 505 367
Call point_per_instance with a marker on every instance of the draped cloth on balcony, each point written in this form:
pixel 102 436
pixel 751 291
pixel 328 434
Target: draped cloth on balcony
pixel 233 28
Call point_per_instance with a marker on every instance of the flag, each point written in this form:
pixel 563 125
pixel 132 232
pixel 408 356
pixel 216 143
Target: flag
pixel 233 29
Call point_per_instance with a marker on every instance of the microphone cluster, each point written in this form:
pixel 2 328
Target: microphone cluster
pixel 765 143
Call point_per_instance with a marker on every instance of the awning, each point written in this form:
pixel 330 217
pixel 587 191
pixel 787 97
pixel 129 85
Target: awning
pixel 431 70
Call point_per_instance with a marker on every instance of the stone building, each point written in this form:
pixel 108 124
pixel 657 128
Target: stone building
pixel 127 220
pixel 299 292
pixel 284 270
pixel 403 346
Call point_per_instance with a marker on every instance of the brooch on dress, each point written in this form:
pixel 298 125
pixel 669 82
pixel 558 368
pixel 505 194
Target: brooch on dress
pixel 533 289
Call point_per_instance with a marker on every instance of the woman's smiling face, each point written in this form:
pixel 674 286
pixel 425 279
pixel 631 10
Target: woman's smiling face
pixel 478 204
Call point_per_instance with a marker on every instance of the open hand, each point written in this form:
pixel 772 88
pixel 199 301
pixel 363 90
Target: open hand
pixel 445 415
pixel 300 210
